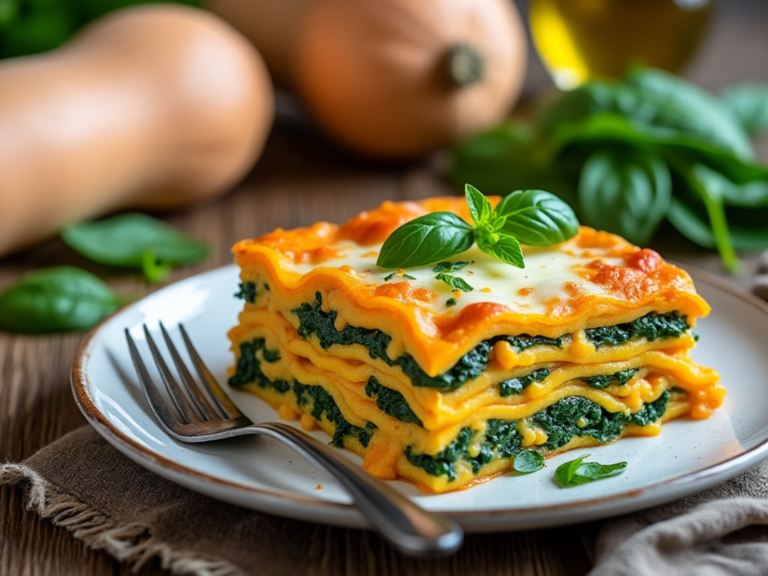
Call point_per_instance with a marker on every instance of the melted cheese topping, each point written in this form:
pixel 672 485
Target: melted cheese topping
pixel 594 279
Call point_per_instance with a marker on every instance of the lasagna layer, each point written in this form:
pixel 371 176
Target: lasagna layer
pixel 396 439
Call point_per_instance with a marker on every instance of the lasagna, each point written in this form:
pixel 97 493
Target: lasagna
pixel 589 343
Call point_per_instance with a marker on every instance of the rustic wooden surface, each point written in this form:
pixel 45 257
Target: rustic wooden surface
pixel 300 179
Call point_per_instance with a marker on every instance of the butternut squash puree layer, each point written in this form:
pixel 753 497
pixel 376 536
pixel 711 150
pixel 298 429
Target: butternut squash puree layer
pixel 453 437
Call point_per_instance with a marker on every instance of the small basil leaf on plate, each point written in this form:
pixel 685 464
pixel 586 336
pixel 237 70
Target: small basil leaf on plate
pixel 425 240
pixel 479 206
pixel 578 472
pixel 626 192
pixel 448 266
pixel 528 461
pixel 454 282
pixel 56 299
pixel 749 103
pixel 126 240
pixel 591 471
pixel 536 218
pixel 505 248
pixel 565 472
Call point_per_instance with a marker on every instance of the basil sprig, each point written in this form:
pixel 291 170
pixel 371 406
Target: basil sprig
pixel 533 217
pixel 135 240
pixel 577 471
pixel 56 299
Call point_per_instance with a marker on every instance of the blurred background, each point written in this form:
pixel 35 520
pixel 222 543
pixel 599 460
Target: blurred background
pixel 202 121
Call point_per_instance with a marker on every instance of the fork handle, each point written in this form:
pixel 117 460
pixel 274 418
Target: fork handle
pixel 405 525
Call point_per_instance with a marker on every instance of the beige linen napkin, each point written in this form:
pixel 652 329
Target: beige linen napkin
pixel 84 484
pixel 721 531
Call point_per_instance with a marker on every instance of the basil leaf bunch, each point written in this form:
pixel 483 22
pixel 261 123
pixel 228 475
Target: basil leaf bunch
pixel 532 217
pixel 577 471
pixel 630 154
pixel 134 240
pixel 56 299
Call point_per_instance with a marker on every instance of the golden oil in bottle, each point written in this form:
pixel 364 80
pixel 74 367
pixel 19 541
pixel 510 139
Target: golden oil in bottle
pixel 579 40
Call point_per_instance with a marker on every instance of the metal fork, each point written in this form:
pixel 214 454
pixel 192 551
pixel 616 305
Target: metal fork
pixel 202 412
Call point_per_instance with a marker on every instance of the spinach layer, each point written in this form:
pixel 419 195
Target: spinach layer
pixel 502 440
pixel 577 416
pixel 517 385
pixel 621 378
pixel 651 326
pixel 391 402
pixel 313 320
pixel 247 292
pixel 568 417
pixel 248 370
pixel 323 402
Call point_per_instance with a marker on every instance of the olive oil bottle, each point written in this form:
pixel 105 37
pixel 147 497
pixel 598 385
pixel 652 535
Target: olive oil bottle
pixel 579 40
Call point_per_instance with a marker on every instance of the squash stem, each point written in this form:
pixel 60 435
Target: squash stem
pixel 463 65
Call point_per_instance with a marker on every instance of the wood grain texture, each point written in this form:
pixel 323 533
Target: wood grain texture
pixel 301 179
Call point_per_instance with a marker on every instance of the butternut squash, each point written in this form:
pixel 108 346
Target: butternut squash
pixel 151 107
pixel 391 78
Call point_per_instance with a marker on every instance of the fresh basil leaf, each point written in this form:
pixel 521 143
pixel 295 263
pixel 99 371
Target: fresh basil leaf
pixel 425 240
pixel 751 195
pixel 56 299
pixel 746 228
pixel 528 461
pixel 448 266
pixel 666 100
pixel 565 472
pixel 134 240
pixel 454 282
pixel 626 192
pixel 479 206
pixel 699 187
pixel 450 302
pixel 9 10
pixel 536 218
pixel 506 248
pixel 591 471
pixel 655 103
pixel 609 129
pixel 749 103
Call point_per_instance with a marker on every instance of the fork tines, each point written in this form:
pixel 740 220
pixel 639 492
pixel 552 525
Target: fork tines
pixel 195 401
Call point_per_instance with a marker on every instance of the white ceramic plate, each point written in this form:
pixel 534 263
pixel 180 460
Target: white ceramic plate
pixel 258 473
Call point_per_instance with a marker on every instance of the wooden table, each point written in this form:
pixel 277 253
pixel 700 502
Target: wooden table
pixel 300 179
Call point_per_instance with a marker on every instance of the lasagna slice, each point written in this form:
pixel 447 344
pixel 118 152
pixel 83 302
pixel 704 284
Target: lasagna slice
pixel 589 343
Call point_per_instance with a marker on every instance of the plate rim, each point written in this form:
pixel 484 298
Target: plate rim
pixel 80 385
